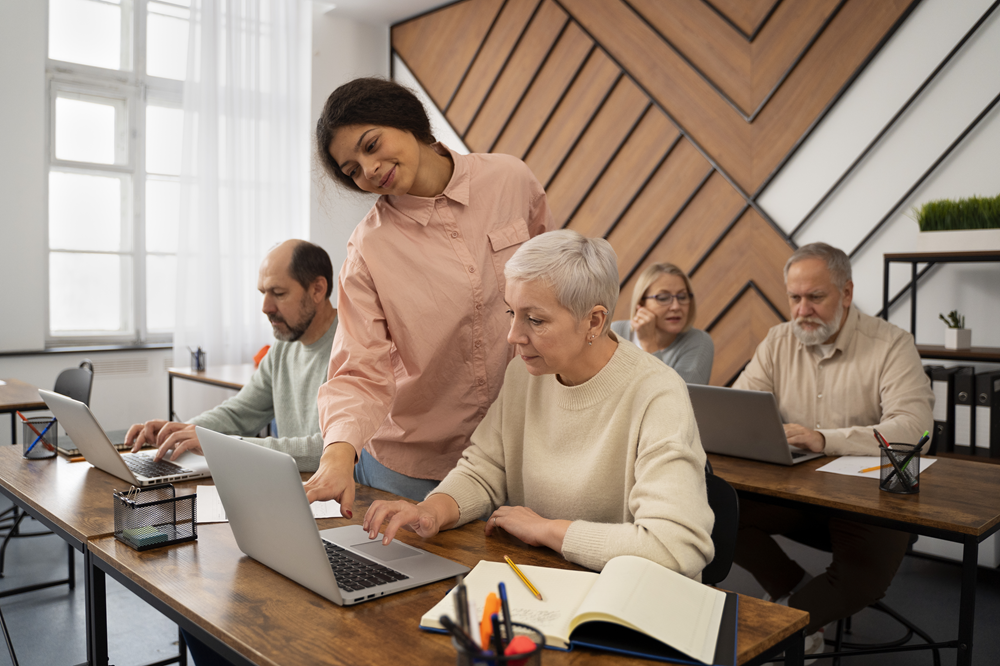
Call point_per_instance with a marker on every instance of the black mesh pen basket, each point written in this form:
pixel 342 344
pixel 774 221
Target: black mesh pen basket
pixel 154 517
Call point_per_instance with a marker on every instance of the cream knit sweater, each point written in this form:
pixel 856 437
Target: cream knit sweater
pixel 619 456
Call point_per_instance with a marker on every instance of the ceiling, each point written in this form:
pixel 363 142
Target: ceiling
pixel 384 12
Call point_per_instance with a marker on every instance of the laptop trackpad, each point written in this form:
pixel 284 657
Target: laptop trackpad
pixel 376 551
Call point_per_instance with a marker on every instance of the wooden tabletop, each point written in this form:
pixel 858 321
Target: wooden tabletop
pixel 15 394
pixel 271 620
pixel 955 495
pixel 73 496
pixel 228 376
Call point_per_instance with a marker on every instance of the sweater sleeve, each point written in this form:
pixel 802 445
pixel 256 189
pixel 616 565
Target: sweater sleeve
pixel 305 450
pixel 671 520
pixel 247 412
pixel 478 484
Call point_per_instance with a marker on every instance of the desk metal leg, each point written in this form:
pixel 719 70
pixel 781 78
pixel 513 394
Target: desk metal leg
pixel 967 604
pixel 13 429
pixel 97 613
pixel 170 397
pixel 795 653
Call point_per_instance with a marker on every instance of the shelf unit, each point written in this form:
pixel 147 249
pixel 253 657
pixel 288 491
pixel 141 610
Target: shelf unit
pixel 977 354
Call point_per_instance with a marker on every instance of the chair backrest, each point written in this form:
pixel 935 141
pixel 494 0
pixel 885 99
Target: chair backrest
pixel 726 505
pixel 76 382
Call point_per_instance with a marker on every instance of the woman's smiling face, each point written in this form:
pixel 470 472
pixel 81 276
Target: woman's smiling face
pixel 380 160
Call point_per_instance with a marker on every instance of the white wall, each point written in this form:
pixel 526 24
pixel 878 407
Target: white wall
pixel 343 49
pixel 936 118
pixel 22 174
pixel 128 385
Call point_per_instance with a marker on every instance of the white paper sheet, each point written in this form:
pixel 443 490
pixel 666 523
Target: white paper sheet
pixel 852 466
pixel 210 509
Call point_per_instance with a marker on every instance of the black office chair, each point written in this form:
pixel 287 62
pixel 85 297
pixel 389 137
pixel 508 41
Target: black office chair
pixel 725 504
pixel 75 383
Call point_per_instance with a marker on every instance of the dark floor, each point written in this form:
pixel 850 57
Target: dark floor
pixel 48 627
pixel 925 591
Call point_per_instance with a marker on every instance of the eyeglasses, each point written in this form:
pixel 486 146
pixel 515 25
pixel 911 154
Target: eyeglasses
pixel 667 299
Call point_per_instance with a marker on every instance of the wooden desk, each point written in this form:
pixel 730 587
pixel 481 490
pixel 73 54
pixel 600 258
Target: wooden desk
pixel 958 501
pixel 252 615
pixel 15 396
pixel 226 376
pixel 74 501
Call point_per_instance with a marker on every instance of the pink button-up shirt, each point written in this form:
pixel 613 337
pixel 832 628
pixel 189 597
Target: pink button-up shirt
pixel 421 347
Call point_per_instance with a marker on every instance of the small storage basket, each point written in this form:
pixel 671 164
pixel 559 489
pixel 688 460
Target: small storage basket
pixel 155 517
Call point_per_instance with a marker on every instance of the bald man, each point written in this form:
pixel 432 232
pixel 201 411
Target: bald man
pixel 296 279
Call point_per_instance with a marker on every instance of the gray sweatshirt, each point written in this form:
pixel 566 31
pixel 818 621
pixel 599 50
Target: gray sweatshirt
pixel 283 388
pixel 690 354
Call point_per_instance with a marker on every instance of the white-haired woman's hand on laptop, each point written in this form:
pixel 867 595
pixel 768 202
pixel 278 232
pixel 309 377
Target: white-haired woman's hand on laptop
pixel 436 513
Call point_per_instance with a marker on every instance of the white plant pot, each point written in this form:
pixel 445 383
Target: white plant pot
pixel 958 338
pixel 962 240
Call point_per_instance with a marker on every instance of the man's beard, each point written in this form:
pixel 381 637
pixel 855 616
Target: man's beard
pixel 294 332
pixel 824 332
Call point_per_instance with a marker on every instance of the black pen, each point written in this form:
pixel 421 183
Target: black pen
pixel 462 607
pixel 498 644
pixel 462 637
pixel 507 626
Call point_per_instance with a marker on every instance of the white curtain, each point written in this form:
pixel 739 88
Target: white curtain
pixel 245 172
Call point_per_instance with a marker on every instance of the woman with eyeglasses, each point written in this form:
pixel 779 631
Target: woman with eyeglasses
pixel 663 310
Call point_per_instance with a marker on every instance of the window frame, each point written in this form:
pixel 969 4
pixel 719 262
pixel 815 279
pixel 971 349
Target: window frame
pixel 138 90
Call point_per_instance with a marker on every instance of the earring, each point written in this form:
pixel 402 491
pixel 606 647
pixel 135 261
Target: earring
pixel 591 343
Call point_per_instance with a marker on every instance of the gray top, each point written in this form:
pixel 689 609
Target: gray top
pixel 284 388
pixel 690 354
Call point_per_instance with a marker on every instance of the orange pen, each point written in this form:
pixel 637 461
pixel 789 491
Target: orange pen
pixel 486 625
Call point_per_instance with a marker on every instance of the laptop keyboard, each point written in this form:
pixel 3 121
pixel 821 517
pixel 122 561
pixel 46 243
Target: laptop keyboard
pixel 142 464
pixel 355 572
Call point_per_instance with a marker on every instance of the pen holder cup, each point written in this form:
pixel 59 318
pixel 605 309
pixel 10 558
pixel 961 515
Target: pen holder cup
pixel 197 360
pixel 533 658
pixel 35 448
pixel 155 517
pixel 900 473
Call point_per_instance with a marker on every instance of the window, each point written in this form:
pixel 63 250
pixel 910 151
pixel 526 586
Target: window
pixel 115 73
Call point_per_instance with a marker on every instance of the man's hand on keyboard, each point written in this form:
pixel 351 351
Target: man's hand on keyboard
pixel 180 437
pixel 144 434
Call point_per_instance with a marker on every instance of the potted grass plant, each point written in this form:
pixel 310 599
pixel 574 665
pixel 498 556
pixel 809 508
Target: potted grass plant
pixel 956 336
pixel 963 224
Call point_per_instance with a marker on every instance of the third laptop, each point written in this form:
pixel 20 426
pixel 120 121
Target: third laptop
pixel 745 424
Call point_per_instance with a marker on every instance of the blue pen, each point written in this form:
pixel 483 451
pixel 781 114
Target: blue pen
pixel 37 439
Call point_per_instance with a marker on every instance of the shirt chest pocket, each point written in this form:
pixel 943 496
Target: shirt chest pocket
pixel 504 243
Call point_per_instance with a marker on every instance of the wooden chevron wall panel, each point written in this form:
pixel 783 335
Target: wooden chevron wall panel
pixel 655 123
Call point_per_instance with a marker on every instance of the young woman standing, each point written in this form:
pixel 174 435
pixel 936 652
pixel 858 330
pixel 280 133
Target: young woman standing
pixel 421 349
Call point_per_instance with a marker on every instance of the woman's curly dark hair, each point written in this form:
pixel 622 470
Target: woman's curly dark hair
pixel 368 101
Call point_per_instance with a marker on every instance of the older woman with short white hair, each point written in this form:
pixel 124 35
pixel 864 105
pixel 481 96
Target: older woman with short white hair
pixel 591 447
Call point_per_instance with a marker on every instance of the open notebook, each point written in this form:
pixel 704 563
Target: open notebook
pixel 634 606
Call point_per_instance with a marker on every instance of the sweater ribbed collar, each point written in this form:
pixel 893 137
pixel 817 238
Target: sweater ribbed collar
pixel 612 377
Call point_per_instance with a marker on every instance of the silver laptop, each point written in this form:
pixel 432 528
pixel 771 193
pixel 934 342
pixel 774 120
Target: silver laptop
pixel 262 493
pixel 139 469
pixel 744 424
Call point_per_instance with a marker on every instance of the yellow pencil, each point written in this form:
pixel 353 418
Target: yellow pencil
pixel 524 579
pixel 872 469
